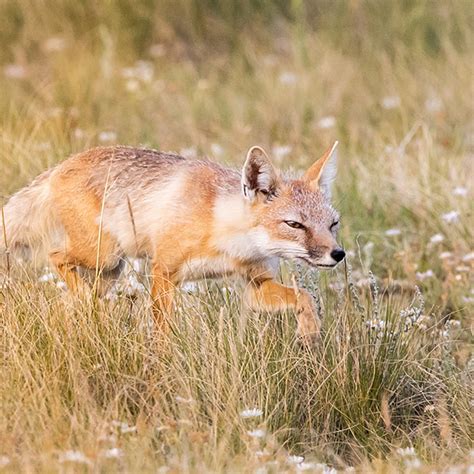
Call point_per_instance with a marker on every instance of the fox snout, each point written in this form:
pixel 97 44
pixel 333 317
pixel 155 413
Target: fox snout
pixel 338 254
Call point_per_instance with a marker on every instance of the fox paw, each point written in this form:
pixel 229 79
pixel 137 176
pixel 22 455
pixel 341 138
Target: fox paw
pixel 309 325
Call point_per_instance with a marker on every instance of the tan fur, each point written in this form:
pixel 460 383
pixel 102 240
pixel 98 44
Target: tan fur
pixel 193 219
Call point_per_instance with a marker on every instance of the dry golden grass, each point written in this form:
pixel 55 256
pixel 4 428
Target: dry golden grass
pixel 91 376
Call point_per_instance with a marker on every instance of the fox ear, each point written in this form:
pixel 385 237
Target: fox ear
pixel 322 173
pixel 258 175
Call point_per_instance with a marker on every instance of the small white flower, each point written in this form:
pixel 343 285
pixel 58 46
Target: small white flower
pixel 4 461
pixel 413 463
pixel 189 152
pixel 113 453
pixel 61 285
pixel 14 71
pixel 217 149
pixel 392 232
pixel 405 452
pixel 281 151
pixel 288 78
pixel 444 255
pixel 463 269
pixel 47 277
pixel 326 122
pixel 451 216
pixel 391 102
pixel 185 401
pixel 424 275
pixel 377 324
pixel 468 299
pixel 190 287
pixel 78 133
pixel 295 459
pixel 251 413
pixel 306 466
pixel 460 191
pixel 124 427
pixel 437 238
pixel 107 136
pixel 74 456
pixel 468 257
pixel 433 104
pixel 258 433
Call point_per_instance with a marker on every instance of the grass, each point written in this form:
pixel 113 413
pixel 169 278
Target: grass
pixel 87 385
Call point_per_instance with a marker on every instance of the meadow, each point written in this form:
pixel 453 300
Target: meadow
pixel 87 385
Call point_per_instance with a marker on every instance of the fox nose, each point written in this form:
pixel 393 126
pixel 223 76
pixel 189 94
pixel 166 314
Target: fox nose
pixel 338 254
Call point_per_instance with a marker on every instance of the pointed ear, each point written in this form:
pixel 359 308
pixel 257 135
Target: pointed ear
pixel 259 178
pixel 322 173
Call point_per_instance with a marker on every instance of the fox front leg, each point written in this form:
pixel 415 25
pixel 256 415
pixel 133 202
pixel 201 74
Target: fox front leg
pixel 268 295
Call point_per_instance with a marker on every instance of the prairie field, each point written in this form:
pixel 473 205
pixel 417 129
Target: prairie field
pixel 87 383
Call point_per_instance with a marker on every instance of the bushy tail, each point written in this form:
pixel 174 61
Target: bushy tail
pixel 28 219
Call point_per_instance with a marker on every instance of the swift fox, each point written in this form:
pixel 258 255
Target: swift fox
pixel 193 219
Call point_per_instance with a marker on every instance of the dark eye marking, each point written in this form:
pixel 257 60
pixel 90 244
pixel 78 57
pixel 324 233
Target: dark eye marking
pixel 334 224
pixel 294 224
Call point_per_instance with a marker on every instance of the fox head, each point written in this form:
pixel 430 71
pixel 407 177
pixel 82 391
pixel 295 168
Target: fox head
pixel 295 215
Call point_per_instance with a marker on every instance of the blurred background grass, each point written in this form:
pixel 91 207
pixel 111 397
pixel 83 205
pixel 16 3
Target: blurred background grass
pixel 392 80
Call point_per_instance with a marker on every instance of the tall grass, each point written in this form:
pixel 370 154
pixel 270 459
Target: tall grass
pixel 393 368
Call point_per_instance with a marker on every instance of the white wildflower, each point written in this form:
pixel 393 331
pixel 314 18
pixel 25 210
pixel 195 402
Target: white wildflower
pixel 412 463
pixel 468 299
pixel 61 285
pixel 190 287
pixel 281 151
pixel 107 136
pixel 468 257
pixel 295 459
pixel 251 413
pixel 437 238
pixel 424 275
pixel 326 122
pixel 14 71
pixel 258 433
pixel 47 277
pixel 377 324
pixel 288 78
pixel 434 104
pixel 124 427
pixel 391 102
pixel 405 452
pixel 305 466
pixel 113 453
pixel 185 401
pixel 217 149
pixel 451 216
pixel 4 461
pixel 392 232
pixel 462 268
pixel 444 255
pixel 74 456
pixel 460 191
pixel 189 152
pixel 78 133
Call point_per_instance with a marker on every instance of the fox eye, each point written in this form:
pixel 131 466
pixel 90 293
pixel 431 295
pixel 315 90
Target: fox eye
pixel 334 224
pixel 294 224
